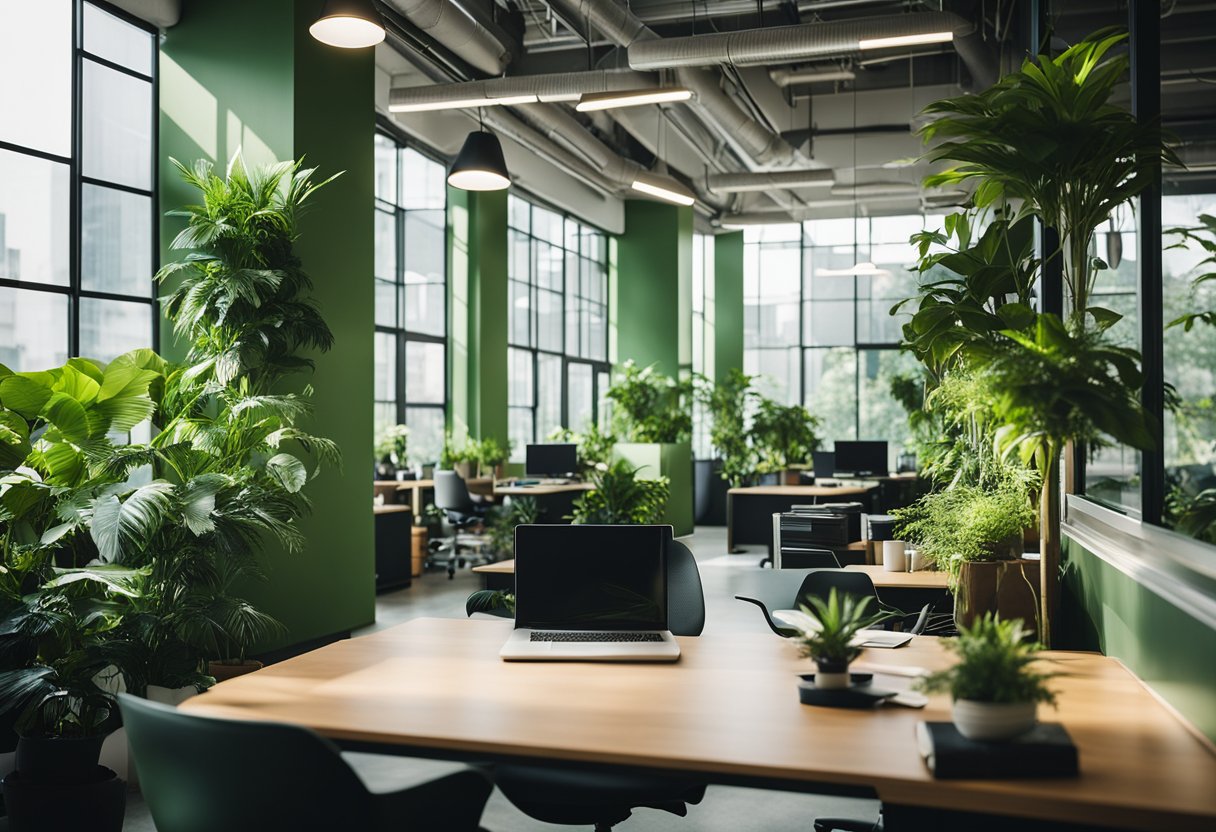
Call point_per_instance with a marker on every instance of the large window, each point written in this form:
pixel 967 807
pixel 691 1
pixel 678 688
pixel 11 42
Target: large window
pixel 558 323
pixel 702 336
pixel 77 178
pixel 817 328
pixel 411 290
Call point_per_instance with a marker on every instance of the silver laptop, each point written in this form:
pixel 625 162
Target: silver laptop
pixel 591 593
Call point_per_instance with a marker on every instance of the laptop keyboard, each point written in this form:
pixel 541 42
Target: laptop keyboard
pixel 585 636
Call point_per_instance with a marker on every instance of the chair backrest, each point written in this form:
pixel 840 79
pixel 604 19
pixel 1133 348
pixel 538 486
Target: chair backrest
pixel 200 774
pixel 821 582
pixel 685 597
pixel 451 493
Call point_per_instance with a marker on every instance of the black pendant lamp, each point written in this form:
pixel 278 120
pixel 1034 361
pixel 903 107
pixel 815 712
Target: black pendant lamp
pixel 480 166
pixel 348 24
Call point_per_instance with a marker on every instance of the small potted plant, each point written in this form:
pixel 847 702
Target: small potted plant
pixel 392 447
pixel 492 457
pixel 826 631
pixel 995 689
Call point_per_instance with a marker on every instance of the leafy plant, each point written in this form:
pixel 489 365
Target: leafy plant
pixel 392 444
pixel 620 497
pixel 455 452
pixel 783 435
pixel 649 406
pixel 728 402
pixel 490 453
pixel 1196 516
pixel 490 600
pixel 1203 235
pixel 594 446
pixel 826 629
pixel 995 665
pixel 520 511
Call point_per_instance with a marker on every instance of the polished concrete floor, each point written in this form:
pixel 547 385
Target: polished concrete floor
pixel 724 809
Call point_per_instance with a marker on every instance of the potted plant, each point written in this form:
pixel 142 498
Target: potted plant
pixel 392 449
pixel 492 458
pixel 826 631
pixel 728 402
pixel 995 688
pixel 783 435
pixel 620 497
pixel 594 446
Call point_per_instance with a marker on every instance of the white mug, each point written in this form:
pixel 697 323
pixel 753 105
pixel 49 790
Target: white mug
pixel 894 557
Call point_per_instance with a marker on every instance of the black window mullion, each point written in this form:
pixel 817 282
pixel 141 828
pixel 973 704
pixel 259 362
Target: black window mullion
pixel 74 186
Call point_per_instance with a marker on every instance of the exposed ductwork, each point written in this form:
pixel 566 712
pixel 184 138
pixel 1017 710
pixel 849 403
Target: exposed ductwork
pixel 810 41
pixel 564 86
pixel 456 29
pixel 744 182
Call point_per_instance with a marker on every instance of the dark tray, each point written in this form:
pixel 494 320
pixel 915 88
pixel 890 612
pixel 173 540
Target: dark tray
pixel 859 694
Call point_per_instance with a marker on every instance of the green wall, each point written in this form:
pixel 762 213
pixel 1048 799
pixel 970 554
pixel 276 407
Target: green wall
pixel 728 303
pixel 1102 608
pixel 477 313
pixel 240 74
pixel 653 284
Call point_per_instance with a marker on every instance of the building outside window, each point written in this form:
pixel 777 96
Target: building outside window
pixel 77 183
pixel 411 295
pixel 558 368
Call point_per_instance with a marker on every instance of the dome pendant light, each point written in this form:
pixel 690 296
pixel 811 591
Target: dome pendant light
pixel 348 24
pixel 480 166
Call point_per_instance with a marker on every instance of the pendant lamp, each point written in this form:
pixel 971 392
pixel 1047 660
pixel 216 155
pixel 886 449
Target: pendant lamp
pixel 480 166
pixel 348 24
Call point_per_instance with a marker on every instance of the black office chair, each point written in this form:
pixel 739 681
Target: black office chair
pixel 200 774
pixel 789 589
pixel 462 512
pixel 602 800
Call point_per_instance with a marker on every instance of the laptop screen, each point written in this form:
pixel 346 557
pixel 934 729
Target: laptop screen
pixel 591 577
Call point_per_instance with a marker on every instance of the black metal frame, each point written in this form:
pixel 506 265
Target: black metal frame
pixel 402 336
pixel 74 291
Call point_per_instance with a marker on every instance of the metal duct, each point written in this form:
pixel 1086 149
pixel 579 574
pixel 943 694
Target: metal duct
pixel 872 189
pixel 741 182
pixel 160 13
pixel 564 86
pixel 788 44
pixel 502 121
pixel 455 28
pixel 784 77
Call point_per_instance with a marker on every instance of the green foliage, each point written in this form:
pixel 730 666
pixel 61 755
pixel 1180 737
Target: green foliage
pixel 649 406
pixel 455 452
pixel 519 511
pixel 594 446
pixel 1204 235
pixel 995 665
pixel 490 453
pixel 1048 135
pixel 1195 516
pixel 783 435
pixel 392 444
pixel 621 498
pixel 826 628
pixel 728 403
pixel 490 600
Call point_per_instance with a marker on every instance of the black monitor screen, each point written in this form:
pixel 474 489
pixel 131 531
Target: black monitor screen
pixel 823 463
pixel 551 460
pixel 861 457
pixel 591 577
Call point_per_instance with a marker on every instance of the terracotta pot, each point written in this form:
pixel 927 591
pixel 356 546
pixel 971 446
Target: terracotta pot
pixel 792 477
pixel 1009 588
pixel 418 539
pixel 222 671
pixel 993 721
pixel 465 470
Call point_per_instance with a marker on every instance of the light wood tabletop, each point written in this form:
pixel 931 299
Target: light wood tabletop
pixel 542 490
pixel 902 580
pixel 502 567
pixel 805 490
pixel 438 685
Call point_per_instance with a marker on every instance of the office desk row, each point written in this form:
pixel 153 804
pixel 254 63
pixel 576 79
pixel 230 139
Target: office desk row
pixel 436 687
pixel 556 500
pixel 750 510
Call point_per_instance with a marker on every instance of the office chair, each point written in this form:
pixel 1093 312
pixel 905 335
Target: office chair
pixel 462 512
pixel 200 774
pixel 602 800
pixel 774 593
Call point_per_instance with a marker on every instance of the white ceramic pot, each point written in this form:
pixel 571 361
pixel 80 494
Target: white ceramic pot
pixel 894 556
pixel 916 560
pixel 170 696
pixel 831 681
pixel 993 720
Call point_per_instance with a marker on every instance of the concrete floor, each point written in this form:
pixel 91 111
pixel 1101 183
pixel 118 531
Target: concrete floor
pixel 724 809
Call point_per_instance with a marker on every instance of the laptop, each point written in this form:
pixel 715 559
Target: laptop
pixel 591 593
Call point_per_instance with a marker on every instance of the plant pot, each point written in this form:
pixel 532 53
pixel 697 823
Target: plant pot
pixel 1009 589
pixel 222 671
pixel 170 696
pixel 916 560
pixel 418 540
pixel 465 470
pixel 58 759
pixel 791 476
pixel 97 804
pixel 993 721
pixel 831 675
pixel 894 556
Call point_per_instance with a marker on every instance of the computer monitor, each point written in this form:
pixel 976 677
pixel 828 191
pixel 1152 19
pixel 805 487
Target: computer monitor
pixel 862 458
pixel 823 463
pixel 556 460
pixel 591 577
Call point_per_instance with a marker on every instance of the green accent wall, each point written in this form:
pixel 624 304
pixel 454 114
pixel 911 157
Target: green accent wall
pixel 240 74
pixel 1102 608
pixel 477 313
pixel 653 286
pixel 671 460
pixel 728 303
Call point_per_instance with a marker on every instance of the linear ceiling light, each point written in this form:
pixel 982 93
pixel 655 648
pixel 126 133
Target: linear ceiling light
pixel 631 98
pixel 789 77
pixel 461 104
pixel 663 187
pixel 480 165
pixel 905 40
pixel 348 24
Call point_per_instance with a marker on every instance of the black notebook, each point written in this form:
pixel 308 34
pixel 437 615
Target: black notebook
pixel 1045 751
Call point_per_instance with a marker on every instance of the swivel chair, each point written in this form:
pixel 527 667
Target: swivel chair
pixel 790 589
pixel 462 512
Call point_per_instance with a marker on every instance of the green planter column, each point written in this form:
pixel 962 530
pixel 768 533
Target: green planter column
pixel 477 313
pixel 727 308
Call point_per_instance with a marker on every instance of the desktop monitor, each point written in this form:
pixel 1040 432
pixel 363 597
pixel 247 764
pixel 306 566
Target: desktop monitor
pixel 823 463
pixel 551 460
pixel 862 458
pixel 591 577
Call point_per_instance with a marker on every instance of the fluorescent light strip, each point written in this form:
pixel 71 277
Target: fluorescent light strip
pixel 663 193
pixel 461 104
pixel 905 40
pixel 630 98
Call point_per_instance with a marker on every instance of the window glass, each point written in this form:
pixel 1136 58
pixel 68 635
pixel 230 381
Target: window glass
pixel 117 127
pixel 108 328
pixel 424 372
pixel 34 225
pixel 33 329
pixel 115 242
pixel 106 36
pixel 36 115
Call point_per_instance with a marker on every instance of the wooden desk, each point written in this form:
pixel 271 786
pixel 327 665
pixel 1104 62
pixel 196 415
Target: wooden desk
pixel 502 567
pixel 750 510
pixel 903 580
pixel 437 686
pixel 556 502
pixel 415 487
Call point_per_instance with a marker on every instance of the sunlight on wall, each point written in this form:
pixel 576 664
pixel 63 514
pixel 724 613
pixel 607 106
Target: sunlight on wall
pixel 458 325
pixel 240 137
pixel 189 105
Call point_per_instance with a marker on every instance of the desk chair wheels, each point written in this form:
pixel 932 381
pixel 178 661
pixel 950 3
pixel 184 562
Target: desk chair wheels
pixel 847 825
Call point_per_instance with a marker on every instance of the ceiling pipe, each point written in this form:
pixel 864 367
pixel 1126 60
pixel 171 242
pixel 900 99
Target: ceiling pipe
pixel 564 86
pixel 784 77
pixel 744 182
pixel 453 26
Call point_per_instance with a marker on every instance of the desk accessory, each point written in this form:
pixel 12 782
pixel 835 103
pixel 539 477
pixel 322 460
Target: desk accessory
pixel 860 693
pixel 1045 751
pixel 826 633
